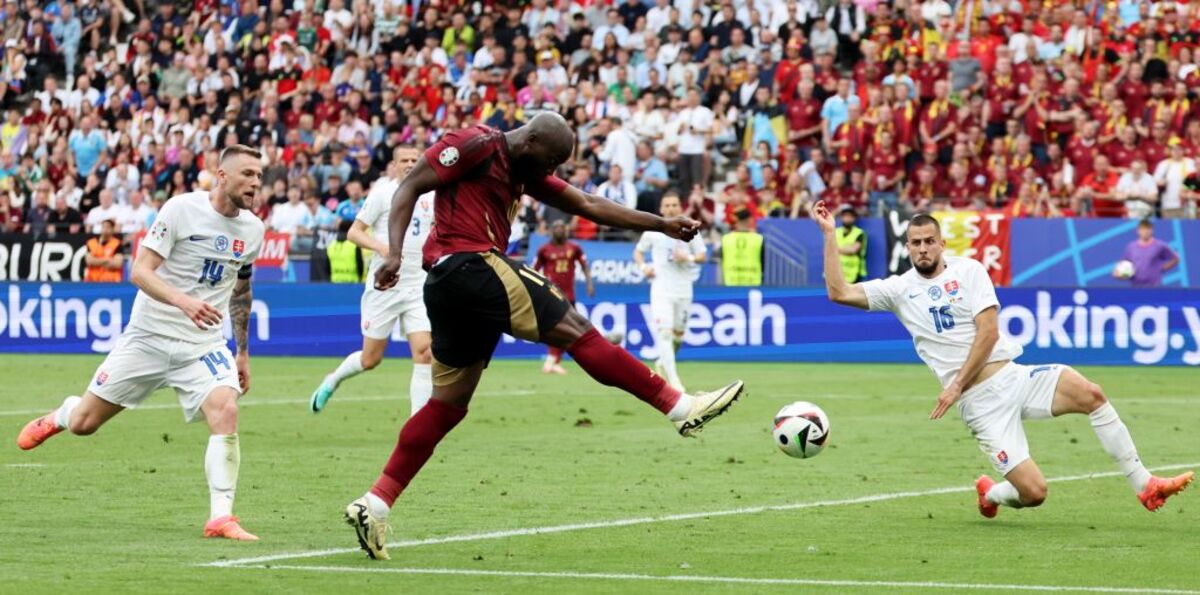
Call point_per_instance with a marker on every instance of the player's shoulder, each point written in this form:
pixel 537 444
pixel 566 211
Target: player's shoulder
pixel 964 265
pixel 574 246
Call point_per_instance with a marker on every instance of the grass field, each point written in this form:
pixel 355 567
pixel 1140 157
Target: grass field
pixel 888 507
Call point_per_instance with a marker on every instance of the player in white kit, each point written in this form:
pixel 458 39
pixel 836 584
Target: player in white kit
pixel 673 267
pixel 949 306
pixel 194 265
pixel 404 303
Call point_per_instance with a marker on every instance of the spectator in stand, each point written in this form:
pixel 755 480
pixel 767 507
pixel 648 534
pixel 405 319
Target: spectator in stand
pixel 651 178
pixel 1138 190
pixel 87 144
pixel 137 216
pixel 1096 195
pixel 12 220
pixel 1172 173
pixel 618 188
pixel 1151 257
pixel 106 210
pixel 63 220
pixel 105 262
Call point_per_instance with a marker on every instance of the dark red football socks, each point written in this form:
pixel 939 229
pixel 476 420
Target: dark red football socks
pixel 612 366
pixel 419 436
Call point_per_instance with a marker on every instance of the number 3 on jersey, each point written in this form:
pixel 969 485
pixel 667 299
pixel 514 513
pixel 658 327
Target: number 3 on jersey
pixel 212 272
pixel 943 320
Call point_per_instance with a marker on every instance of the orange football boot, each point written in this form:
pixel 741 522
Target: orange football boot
pixel 1160 488
pixel 228 528
pixel 38 431
pixel 986 507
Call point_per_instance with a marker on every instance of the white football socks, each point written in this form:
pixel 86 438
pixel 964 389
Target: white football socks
pixel 350 367
pixel 680 411
pixel 1005 494
pixel 1117 442
pixel 221 463
pixel 420 388
pixel 666 358
pixel 379 509
pixel 62 416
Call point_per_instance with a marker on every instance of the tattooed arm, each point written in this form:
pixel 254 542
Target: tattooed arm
pixel 239 314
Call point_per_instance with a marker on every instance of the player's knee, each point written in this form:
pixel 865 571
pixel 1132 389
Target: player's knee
pixel 1034 494
pixel 423 354
pixel 1094 397
pixel 222 416
pixel 84 425
pixel 371 360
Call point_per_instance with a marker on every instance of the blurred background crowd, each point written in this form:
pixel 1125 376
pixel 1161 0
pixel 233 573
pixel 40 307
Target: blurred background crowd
pixel 746 108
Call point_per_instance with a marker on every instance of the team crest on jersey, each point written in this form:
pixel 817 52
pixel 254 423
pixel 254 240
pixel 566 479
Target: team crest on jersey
pixel 221 243
pixel 448 156
pixel 238 247
pixel 935 293
pixel 952 287
pixel 101 378
pixel 1002 457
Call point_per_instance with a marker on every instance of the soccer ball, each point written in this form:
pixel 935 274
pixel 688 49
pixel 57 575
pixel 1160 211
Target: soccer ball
pixel 801 430
pixel 1124 269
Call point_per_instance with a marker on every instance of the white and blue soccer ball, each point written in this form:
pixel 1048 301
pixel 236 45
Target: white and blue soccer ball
pixel 1123 270
pixel 801 430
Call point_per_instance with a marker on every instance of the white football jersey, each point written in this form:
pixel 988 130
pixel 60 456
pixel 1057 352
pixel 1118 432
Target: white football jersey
pixel 203 254
pixel 940 313
pixel 374 213
pixel 671 279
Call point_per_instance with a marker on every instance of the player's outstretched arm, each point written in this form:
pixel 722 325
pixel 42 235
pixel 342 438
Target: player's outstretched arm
pixel 835 281
pixel 420 180
pixel 239 312
pixel 606 212
pixel 145 278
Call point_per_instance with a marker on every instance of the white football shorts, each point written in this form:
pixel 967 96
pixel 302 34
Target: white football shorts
pixel 995 408
pixel 142 363
pixel 382 309
pixel 670 313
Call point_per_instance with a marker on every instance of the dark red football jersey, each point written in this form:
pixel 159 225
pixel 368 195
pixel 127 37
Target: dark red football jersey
pixel 477 200
pixel 558 262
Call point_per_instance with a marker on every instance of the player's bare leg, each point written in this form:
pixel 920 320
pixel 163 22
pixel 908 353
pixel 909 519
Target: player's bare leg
pixel 418 438
pixel 420 385
pixel 221 462
pixel 81 415
pixel 1023 487
pixel 612 366
pixel 1077 394
pixel 354 364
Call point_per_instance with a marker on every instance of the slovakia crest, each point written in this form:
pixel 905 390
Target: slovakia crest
pixel 448 156
pixel 952 287
pixel 221 243
pixel 238 247
pixel 1002 457
pixel 101 378
pixel 935 293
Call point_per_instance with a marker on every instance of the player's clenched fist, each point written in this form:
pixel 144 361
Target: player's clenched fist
pixel 681 228
pixel 388 273
pixel 202 314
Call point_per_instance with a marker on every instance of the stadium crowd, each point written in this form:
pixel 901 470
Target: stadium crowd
pixel 1053 108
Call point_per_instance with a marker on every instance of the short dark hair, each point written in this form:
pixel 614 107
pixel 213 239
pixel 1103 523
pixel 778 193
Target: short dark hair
pixel 923 219
pixel 1146 223
pixel 234 150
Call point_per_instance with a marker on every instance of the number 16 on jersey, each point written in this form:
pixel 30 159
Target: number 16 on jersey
pixel 943 320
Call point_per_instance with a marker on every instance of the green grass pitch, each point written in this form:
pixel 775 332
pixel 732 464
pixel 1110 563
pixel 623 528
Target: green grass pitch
pixel 122 511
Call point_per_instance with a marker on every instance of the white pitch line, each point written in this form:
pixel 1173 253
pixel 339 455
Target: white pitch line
pixel 25 465
pixel 644 520
pixel 727 579
pixel 282 401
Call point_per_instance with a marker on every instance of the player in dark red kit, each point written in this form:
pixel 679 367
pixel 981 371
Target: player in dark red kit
pixel 557 259
pixel 474 294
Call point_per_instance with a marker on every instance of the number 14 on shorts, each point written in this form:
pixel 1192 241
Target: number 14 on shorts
pixel 214 359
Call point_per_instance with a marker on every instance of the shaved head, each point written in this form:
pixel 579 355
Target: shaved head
pixel 540 146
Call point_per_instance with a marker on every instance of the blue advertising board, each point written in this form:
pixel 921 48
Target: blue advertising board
pixel 1082 252
pixel 1074 326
